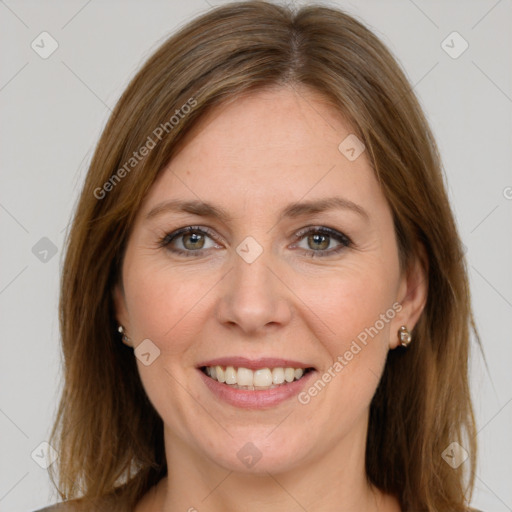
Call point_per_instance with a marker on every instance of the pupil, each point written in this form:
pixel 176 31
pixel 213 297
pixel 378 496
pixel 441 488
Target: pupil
pixel 321 240
pixel 192 239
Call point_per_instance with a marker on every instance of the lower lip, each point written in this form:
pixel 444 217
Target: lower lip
pixel 258 399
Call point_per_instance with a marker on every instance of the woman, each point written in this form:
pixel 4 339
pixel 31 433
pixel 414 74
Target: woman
pixel 264 301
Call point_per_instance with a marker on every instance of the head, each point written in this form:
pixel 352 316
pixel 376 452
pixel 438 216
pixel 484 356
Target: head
pixel 253 109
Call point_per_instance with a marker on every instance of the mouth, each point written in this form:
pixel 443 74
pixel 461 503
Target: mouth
pixel 255 379
pixel 255 383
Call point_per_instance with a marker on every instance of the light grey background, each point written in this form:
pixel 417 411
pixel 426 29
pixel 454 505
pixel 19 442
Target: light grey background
pixel 54 109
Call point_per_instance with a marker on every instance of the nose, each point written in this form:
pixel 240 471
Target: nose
pixel 254 298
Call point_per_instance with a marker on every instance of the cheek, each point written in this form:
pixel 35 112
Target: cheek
pixel 352 303
pixel 358 309
pixel 168 306
pixel 356 304
pixel 164 303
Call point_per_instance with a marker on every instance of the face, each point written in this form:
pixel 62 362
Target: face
pixel 285 251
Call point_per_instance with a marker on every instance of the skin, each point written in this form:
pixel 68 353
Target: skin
pixel 253 157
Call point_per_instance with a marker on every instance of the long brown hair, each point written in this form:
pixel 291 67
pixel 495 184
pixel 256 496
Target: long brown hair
pixel 109 437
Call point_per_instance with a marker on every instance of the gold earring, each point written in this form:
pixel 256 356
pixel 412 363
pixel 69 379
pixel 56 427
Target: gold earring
pixel 124 338
pixel 404 336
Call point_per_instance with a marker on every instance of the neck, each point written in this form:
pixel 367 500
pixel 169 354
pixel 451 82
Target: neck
pixel 332 482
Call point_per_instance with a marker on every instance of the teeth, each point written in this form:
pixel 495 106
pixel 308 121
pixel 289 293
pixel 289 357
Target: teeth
pixel 245 378
pixel 277 375
pixel 221 374
pixel 262 378
pixel 230 375
pixel 289 374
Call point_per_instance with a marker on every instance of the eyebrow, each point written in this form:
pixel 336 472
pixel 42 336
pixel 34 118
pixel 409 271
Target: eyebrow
pixel 293 210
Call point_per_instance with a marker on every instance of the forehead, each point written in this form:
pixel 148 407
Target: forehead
pixel 267 148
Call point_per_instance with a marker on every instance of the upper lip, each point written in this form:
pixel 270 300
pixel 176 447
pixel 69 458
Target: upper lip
pixel 254 364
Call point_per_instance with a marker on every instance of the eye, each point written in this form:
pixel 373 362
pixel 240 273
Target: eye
pixel 315 241
pixel 188 241
pixel 322 241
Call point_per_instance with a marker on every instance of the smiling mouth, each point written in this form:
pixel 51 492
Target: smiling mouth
pixel 255 380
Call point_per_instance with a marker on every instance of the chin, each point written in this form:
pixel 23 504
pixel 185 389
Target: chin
pixel 259 453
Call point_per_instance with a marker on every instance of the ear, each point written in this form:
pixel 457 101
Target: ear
pixel 412 295
pixel 120 306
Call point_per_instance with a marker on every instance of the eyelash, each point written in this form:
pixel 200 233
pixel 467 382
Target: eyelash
pixel 343 240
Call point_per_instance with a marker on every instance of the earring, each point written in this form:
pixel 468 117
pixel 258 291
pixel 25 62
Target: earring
pixel 124 338
pixel 404 336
